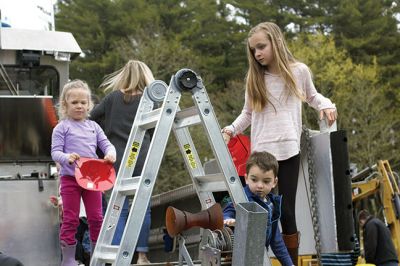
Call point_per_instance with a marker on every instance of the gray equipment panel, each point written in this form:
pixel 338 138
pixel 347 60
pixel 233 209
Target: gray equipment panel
pixel 29 225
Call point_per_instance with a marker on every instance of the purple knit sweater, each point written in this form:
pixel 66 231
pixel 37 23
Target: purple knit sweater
pixel 81 137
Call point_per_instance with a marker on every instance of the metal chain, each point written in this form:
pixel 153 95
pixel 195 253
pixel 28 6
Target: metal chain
pixel 313 193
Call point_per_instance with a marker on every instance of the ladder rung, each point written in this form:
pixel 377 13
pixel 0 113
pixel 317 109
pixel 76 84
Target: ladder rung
pixel 129 186
pixel 187 117
pixel 108 253
pixel 212 182
pixel 149 120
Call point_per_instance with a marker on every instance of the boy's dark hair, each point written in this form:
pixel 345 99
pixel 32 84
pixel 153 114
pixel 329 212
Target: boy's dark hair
pixel 264 160
pixel 363 215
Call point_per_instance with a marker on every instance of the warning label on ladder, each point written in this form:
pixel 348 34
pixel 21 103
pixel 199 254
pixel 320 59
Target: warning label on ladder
pixel 189 154
pixel 133 154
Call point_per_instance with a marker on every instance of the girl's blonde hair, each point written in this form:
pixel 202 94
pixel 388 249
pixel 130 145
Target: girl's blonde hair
pixel 255 83
pixel 130 79
pixel 74 84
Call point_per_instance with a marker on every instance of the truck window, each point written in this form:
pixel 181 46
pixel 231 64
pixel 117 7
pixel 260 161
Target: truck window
pixel 41 80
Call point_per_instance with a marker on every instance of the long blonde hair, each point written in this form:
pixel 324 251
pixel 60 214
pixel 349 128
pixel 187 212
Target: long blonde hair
pixel 255 83
pixel 74 84
pixel 131 79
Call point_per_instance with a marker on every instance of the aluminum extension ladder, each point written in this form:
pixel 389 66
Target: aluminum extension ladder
pixel 167 117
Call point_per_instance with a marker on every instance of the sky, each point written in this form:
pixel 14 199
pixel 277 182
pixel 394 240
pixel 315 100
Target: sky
pixel 28 14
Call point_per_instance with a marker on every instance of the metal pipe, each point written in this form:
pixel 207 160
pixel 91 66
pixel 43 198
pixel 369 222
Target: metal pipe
pixel 250 234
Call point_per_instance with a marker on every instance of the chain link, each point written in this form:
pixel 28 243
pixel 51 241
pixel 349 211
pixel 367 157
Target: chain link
pixel 313 193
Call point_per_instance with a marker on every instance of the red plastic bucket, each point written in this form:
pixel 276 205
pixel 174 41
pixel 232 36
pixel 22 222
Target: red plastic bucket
pixel 239 147
pixel 94 174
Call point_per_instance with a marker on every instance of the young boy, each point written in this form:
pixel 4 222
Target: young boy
pixel 261 178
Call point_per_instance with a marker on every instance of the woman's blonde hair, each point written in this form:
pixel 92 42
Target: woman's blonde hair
pixel 130 79
pixel 74 84
pixel 255 82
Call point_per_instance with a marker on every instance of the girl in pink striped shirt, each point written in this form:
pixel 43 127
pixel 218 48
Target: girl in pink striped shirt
pixel 276 86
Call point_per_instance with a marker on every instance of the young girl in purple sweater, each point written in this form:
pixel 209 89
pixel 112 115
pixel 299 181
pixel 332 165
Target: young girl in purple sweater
pixel 74 137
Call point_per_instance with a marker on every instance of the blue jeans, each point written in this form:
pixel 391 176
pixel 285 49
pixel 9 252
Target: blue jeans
pixel 143 241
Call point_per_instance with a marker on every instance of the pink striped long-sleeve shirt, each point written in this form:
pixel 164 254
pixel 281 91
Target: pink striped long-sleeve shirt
pixel 278 130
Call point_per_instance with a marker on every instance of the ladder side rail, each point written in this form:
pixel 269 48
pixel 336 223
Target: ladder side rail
pixel 148 176
pixel 193 164
pixel 125 172
pixel 220 150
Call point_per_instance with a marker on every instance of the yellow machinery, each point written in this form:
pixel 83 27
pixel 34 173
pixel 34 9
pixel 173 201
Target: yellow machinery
pixel 378 183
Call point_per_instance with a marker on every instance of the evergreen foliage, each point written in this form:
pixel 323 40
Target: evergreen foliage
pixel 364 112
pixel 368 30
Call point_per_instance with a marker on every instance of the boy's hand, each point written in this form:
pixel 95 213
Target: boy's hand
pixel 110 158
pixel 73 157
pixel 230 222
